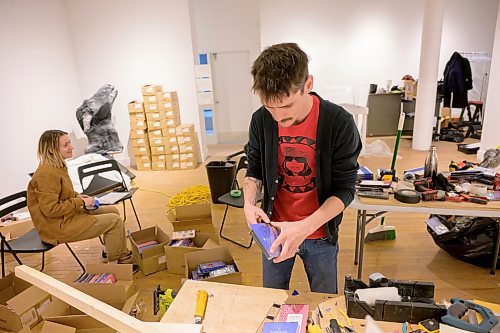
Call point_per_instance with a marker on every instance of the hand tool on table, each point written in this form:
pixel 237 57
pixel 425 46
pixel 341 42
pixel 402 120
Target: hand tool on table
pixel 201 306
pixel 162 299
pixel 340 326
pixel 460 307
pixel 312 327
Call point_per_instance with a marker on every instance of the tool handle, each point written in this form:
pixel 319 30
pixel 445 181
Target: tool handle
pixel 201 304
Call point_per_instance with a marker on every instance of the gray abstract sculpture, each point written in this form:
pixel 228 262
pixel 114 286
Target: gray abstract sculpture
pixel 94 117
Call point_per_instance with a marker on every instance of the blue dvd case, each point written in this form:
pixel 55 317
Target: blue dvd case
pixel 265 235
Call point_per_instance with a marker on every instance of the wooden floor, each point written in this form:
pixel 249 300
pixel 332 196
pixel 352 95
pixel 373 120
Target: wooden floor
pixel 413 255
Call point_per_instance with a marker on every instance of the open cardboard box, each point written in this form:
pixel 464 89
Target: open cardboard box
pixel 197 217
pixel 175 255
pixel 21 304
pixel 71 324
pixel 152 259
pixel 193 259
pixel 57 309
pixel 111 293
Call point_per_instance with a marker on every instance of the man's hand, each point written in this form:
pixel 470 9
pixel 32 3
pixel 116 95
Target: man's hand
pixel 254 214
pixel 292 234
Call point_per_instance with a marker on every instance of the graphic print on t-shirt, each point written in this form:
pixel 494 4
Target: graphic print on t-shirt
pixel 296 196
pixel 297 152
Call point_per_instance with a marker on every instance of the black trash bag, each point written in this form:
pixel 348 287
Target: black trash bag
pixel 452 135
pixel 470 239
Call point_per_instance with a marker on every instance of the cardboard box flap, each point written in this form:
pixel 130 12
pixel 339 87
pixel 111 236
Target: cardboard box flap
pixel 28 298
pixel 11 286
pixel 50 327
pixel 193 212
pixel 210 244
pixel 129 304
pixel 120 271
pixel 85 322
pixel 58 308
pixel 9 320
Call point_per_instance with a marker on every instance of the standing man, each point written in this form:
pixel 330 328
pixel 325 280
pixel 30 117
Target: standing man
pixel 303 150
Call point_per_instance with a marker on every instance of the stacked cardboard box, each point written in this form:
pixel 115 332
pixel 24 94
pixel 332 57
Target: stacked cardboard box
pixel 162 115
pixel 187 157
pixel 164 144
pixel 139 135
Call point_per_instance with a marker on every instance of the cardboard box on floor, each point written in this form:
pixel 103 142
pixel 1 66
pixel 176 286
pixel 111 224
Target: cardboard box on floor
pixel 21 304
pixel 193 259
pixel 70 324
pixel 110 293
pixel 196 217
pixel 152 259
pixel 59 309
pixel 175 255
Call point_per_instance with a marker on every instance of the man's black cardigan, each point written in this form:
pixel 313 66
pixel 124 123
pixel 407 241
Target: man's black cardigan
pixel 337 149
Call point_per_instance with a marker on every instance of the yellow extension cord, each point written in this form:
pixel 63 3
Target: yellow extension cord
pixel 189 196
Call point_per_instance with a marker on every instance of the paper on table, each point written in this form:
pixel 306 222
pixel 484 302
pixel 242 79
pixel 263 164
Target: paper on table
pixel 112 198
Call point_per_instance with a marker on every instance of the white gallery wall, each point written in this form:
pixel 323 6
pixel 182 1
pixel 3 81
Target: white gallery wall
pixel 39 86
pixel 231 29
pixel 129 43
pixel 355 43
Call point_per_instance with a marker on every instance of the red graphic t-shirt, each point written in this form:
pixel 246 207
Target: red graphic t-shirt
pixel 296 198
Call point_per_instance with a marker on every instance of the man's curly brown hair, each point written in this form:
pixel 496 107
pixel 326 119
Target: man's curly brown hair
pixel 279 70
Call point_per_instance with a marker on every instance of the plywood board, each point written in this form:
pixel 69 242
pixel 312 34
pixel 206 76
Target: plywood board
pixel 229 308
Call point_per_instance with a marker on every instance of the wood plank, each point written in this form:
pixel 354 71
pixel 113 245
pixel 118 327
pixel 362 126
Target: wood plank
pixel 230 307
pixel 102 312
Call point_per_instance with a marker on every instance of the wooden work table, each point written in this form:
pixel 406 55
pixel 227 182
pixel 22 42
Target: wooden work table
pixel 236 308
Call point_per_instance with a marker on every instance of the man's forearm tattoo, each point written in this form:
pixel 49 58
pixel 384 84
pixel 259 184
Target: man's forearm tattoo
pixel 258 185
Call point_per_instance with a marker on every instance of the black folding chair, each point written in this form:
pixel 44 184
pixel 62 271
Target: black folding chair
pixel 237 202
pixel 29 242
pixel 100 185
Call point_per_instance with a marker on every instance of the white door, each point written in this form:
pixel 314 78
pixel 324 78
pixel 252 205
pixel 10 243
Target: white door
pixel 232 95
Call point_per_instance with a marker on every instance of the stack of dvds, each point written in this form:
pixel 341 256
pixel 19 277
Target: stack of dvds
pixel 96 278
pixel 212 269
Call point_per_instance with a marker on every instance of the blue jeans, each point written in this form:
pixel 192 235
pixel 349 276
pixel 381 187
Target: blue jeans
pixel 320 263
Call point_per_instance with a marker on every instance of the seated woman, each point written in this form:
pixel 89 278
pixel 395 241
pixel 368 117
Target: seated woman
pixel 59 213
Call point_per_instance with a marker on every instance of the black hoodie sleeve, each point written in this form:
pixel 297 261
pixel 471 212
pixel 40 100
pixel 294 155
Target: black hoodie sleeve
pixel 346 148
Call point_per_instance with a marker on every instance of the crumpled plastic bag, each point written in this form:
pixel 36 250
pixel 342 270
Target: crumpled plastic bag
pixel 377 148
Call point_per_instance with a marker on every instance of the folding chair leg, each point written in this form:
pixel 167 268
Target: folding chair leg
pixel 135 213
pixel 5 243
pixel 229 239
pixel 76 258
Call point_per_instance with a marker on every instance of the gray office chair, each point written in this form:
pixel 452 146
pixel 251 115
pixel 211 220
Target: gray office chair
pixel 27 243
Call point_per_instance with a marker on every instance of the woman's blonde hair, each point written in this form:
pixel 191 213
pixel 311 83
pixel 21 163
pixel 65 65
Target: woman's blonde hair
pixel 48 148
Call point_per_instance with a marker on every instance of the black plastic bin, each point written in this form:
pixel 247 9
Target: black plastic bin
pixel 220 177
